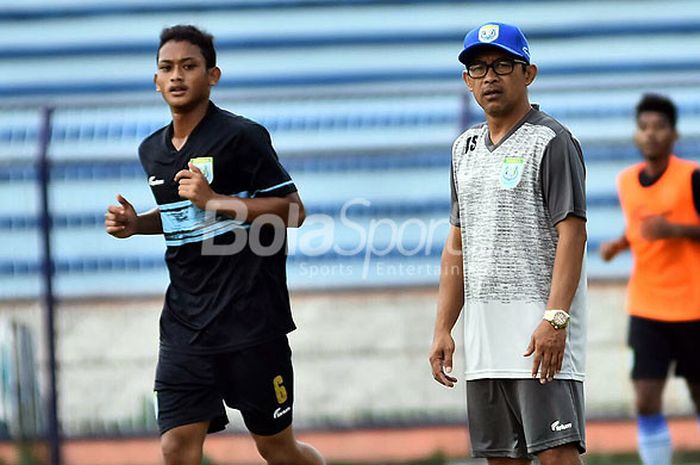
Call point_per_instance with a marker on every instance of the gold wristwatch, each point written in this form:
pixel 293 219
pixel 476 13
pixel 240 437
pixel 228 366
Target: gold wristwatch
pixel 559 319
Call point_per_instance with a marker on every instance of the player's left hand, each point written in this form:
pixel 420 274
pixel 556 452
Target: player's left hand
pixel 548 345
pixel 656 227
pixel 193 186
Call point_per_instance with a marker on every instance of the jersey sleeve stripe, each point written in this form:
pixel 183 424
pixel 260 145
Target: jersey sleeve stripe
pixel 273 188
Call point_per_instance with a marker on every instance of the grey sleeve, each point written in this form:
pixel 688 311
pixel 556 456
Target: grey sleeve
pixel 563 178
pixel 454 206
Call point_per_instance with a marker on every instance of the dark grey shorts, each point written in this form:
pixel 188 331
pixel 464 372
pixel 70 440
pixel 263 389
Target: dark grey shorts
pixel 519 418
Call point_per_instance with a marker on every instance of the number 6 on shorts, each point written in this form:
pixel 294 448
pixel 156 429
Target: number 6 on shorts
pixel 280 390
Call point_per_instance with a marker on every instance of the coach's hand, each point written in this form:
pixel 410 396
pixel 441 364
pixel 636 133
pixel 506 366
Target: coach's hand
pixel 548 345
pixel 194 186
pixel 121 220
pixel 441 359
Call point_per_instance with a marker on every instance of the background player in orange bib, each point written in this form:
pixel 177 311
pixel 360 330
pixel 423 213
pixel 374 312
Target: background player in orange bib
pixel 660 199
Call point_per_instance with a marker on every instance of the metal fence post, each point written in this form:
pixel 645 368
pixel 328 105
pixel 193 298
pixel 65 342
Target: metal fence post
pixel 47 271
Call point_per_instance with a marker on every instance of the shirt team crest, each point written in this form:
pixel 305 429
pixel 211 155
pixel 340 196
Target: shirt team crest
pixel 206 166
pixel 511 172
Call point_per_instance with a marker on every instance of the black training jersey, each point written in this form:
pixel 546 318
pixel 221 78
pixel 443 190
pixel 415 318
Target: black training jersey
pixel 223 294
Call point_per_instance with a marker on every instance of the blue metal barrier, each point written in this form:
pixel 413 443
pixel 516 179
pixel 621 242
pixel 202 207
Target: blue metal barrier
pixel 377 209
pixel 321 79
pixel 380 160
pixel 404 37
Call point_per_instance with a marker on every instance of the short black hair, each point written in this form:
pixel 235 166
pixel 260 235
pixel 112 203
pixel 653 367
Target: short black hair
pixel 193 35
pixel 658 104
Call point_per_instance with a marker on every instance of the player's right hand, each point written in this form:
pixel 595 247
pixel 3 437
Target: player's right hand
pixel 441 359
pixel 120 220
pixel 608 250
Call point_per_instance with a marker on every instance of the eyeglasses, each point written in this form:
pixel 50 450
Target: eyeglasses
pixel 479 69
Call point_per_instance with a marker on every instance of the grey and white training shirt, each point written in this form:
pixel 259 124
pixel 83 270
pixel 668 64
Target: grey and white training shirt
pixel 507 199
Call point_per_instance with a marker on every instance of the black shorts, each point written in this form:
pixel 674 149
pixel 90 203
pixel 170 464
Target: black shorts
pixel 257 381
pixel 658 343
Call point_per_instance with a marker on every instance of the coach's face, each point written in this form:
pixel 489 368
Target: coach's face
pixel 182 76
pixel 500 94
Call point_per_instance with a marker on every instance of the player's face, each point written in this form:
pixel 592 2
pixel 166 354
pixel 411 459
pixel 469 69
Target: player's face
pixel 182 75
pixel 500 95
pixel 655 136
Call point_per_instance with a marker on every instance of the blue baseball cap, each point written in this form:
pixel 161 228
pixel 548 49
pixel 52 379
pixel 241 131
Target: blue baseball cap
pixel 504 36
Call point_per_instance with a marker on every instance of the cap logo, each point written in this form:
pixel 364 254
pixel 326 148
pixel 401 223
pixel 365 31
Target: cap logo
pixel 488 33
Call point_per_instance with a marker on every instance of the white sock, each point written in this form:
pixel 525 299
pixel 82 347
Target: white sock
pixel 654 440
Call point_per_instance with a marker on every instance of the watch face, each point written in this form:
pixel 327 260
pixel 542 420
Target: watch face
pixel 560 319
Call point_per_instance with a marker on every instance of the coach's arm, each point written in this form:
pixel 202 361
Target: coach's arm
pixel 548 344
pixel 450 303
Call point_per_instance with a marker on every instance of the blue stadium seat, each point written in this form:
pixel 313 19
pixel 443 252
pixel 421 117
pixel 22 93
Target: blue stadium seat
pixel 365 108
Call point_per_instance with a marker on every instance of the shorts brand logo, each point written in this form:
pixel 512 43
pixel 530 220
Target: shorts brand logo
pixel 558 426
pixel 279 412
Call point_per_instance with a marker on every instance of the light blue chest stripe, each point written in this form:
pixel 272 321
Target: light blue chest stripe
pixel 268 189
pixel 187 203
pixel 184 223
pixel 174 205
pixel 203 236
